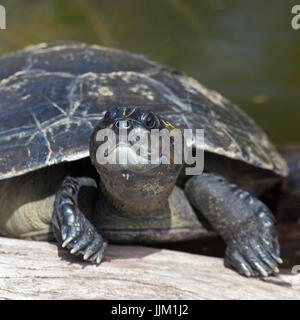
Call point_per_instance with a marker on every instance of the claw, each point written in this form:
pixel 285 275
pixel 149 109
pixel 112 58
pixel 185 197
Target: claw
pixel 97 257
pixel 279 260
pixel 275 257
pixel 98 260
pixel 77 248
pixel 261 269
pixel 87 255
pixel 276 270
pixel 237 261
pixel 67 241
pixel 71 227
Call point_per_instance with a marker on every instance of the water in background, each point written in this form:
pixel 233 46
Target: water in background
pixel 246 49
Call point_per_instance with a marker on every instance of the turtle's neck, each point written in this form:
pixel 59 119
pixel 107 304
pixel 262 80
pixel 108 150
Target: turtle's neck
pixel 135 192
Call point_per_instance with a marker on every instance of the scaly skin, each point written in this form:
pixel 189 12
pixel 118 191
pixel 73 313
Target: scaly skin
pixel 244 222
pixel 71 226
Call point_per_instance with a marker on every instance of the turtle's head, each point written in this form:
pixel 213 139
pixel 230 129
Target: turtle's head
pixel 134 152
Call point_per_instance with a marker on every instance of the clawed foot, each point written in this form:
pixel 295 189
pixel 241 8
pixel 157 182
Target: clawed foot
pixel 255 249
pixel 71 228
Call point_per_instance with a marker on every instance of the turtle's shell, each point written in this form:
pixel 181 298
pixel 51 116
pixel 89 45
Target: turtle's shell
pixel 51 96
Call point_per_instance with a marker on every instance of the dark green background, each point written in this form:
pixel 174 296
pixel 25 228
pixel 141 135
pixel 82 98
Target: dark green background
pixel 245 49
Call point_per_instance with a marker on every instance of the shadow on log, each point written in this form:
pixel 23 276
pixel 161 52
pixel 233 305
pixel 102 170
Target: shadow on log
pixel 39 270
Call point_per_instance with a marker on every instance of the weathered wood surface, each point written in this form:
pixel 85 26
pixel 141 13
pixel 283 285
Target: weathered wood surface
pixel 39 270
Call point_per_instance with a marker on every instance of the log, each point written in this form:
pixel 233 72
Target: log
pixel 40 270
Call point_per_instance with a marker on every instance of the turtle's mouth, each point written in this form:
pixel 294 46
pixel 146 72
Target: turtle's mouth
pixel 137 149
pixel 132 151
pixel 128 157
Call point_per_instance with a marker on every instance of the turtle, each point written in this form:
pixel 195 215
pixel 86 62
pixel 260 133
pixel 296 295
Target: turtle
pixel 56 98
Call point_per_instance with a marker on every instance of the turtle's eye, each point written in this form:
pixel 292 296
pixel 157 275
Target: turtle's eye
pixel 150 121
pixel 108 116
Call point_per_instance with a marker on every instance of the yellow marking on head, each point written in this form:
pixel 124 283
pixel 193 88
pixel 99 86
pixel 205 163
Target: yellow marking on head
pixel 167 124
pixel 132 111
pixel 124 111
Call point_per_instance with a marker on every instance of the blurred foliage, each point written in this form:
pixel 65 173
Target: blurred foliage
pixel 246 49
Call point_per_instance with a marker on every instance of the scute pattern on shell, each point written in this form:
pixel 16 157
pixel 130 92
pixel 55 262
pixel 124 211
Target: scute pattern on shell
pixel 51 96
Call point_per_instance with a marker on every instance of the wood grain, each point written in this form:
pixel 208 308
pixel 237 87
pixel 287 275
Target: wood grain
pixel 39 270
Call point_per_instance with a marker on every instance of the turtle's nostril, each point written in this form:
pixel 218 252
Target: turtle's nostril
pixel 127 124
pixel 123 124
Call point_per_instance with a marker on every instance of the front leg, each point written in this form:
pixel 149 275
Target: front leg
pixel 74 204
pixel 244 222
